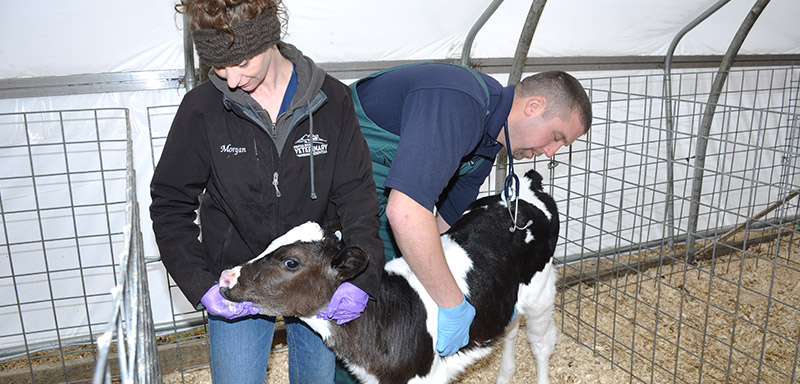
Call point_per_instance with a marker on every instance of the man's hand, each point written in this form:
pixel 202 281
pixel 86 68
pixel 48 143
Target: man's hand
pixel 347 303
pixel 453 332
pixel 217 305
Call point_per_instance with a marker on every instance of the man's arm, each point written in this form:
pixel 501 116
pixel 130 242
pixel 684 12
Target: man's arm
pixel 443 226
pixel 417 234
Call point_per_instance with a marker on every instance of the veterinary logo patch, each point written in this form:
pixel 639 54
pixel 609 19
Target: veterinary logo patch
pixel 303 147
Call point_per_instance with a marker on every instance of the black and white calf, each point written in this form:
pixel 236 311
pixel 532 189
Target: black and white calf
pixel 394 339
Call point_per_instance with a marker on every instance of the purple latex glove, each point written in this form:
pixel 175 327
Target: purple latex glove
pixel 217 305
pixel 346 304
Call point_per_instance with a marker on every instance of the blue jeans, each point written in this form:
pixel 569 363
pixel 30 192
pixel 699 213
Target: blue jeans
pixel 240 350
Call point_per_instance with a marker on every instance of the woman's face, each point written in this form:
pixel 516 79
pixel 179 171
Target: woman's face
pixel 248 74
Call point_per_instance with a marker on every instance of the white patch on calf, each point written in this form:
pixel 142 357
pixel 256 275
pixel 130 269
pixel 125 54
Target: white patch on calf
pixel 460 264
pixel 529 236
pixel 539 294
pixel 446 369
pixel 458 261
pixel 362 374
pixel 306 232
pixel 535 301
pixel 323 327
pixel 400 268
pixel 474 209
pixel 459 362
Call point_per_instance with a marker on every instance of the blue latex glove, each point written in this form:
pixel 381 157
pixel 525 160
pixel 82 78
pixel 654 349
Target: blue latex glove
pixel 217 305
pixel 347 303
pixel 453 332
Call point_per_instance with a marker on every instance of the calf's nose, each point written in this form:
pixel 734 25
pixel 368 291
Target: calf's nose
pixel 228 278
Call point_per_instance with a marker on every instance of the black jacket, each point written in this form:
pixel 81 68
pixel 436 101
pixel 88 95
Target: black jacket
pixel 259 179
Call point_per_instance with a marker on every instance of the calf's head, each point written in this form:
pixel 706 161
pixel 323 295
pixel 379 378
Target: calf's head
pixel 297 274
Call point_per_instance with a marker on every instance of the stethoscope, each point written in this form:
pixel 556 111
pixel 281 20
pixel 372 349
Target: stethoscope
pixel 512 187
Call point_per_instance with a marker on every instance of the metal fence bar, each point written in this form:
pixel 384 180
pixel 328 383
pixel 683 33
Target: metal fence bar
pixel 708 117
pixel 668 113
pixel 132 316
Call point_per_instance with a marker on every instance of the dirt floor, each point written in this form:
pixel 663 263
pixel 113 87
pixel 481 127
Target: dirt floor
pixel 570 363
pixel 733 319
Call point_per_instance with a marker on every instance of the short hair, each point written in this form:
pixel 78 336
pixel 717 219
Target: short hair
pixel 563 93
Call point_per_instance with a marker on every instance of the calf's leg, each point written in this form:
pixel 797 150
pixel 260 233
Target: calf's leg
pixel 535 302
pixel 507 363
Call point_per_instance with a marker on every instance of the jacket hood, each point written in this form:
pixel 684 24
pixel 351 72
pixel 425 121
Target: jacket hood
pixel 309 80
pixel 309 83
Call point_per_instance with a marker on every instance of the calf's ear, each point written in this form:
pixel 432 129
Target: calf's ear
pixel 349 262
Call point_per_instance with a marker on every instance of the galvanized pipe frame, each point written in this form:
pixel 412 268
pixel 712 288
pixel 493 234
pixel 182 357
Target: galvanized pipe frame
pixel 487 13
pixel 520 55
pixel 80 84
pixel 708 117
pixel 132 315
pixel 670 214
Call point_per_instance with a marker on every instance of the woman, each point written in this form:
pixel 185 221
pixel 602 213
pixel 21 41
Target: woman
pixel 272 142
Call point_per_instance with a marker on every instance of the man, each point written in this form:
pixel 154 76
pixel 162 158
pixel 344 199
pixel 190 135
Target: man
pixel 433 132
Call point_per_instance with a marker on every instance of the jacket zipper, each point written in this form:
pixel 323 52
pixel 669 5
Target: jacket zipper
pixel 274 133
pixel 275 184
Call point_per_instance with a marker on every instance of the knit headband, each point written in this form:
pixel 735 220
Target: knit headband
pixel 250 38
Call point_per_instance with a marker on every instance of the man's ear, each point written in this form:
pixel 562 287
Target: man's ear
pixel 534 106
pixel 349 262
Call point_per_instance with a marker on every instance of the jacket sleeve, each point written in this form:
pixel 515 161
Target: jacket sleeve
pixel 179 179
pixel 355 198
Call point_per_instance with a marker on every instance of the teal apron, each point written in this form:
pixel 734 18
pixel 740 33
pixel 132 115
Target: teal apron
pixel 382 148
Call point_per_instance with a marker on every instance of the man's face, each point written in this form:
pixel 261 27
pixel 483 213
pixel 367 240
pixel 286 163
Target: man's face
pixel 544 137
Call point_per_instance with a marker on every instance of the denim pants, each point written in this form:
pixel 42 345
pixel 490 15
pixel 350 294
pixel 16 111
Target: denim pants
pixel 240 350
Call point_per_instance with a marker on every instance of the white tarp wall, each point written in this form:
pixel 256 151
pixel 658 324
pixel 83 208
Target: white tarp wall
pixel 57 38
pixel 60 38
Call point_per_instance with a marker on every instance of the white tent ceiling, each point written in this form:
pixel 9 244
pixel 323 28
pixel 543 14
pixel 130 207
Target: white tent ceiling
pixel 54 38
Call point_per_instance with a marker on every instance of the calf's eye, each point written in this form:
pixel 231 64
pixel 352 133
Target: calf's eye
pixel 291 264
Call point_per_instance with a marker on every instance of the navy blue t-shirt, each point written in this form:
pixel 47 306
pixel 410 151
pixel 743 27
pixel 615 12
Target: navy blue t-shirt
pixel 440 113
pixel 291 90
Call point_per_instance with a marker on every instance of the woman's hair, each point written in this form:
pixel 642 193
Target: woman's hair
pixel 563 94
pixel 221 15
